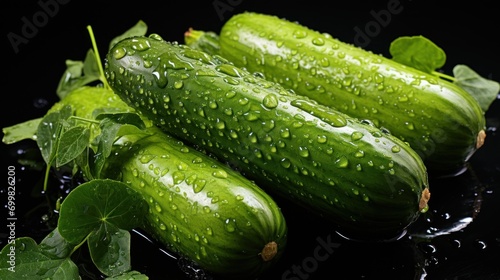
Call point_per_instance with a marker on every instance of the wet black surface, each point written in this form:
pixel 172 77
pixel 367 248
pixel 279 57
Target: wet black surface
pixel 459 238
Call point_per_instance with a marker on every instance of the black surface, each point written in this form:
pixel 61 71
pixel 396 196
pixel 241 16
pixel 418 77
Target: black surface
pixel 463 222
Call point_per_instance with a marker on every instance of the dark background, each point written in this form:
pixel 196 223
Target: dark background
pixel 468 33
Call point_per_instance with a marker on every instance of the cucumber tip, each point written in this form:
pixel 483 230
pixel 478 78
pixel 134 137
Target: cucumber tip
pixel 269 251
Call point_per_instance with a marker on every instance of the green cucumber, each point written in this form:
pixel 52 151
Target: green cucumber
pixel 440 120
pixel 199 208
pixel 367 183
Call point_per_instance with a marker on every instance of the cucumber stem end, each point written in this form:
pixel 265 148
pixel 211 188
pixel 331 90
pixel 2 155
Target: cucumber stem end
pixel 269 251
pixel 424 199
pixel 481 136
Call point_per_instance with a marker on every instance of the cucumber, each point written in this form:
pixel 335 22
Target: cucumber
pixel 442 122
pixel 368 184
pixel 199 208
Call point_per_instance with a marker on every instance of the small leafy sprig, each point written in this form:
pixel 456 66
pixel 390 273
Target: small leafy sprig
pixel 81 73
pixel 421 53
pixel 99 212
pixel 64 138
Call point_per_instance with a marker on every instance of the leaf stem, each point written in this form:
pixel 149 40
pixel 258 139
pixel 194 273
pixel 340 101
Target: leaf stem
pixel 98 58
pixel 444 76
pixel 46 178
pixel 77 246
pixel 85 120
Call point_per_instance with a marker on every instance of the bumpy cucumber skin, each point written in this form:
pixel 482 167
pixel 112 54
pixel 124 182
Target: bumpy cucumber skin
pixel 438 119
pixel 366 182
pixel 198 207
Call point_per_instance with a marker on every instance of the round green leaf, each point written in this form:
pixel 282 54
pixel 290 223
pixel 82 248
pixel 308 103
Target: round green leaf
pixel 417 52
pixel 31 262
pixel 99 201
pixel 109 249
pixel 485 91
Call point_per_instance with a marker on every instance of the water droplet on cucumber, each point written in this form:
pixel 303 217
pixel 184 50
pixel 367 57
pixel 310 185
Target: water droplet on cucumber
pixel 220 174
pixel 331 117
pixel 270 101
pixel 342 162
pixel 230 225
pixel 303 151
pixel 356 135
pixel 230 70
pixel 299 34
pixel 140 44
pixel 158 207
pixel 286 163
pixel 396 149
pixel 119 53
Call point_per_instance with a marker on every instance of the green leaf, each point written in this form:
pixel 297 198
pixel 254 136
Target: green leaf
pixel 105 141
pixel 417 52
pixel 128 129
pixel 55 246
pixel 82 162
pixel 78 74
pixel 118 115
pixel 123 118
pixel 90 66
pixel 30 262
pixel 110 126
pixel 21 131
pixel 485 91
pixel 139 29
pixel 72 143
pixel 109 249
pixel 130 275
pixel 99 201
pixel 48 132
pixel 71 75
